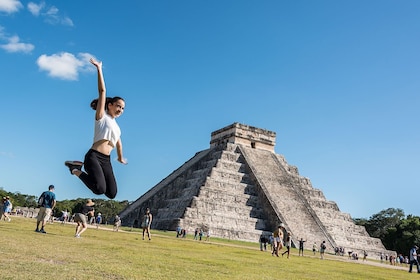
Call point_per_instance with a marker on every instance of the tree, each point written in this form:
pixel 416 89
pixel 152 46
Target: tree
pixel 379 224
pixel 397 232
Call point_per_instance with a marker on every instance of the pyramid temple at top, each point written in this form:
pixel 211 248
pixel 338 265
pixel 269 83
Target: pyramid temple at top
pixel 240 188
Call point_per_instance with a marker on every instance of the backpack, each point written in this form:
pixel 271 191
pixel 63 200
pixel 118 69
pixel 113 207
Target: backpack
pixel 41 200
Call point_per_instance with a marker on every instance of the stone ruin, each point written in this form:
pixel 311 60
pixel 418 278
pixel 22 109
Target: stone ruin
pixel 240 188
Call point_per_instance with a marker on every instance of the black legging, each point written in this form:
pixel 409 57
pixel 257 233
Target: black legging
pixel 100 176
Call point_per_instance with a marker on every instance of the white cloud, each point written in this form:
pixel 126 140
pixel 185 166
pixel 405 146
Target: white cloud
pixel 65 66
pixel 10 6
pixel 15 45
pixel 50 14
pixel 34 8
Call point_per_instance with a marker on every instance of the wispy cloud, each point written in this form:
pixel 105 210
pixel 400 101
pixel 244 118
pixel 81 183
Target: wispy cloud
pixel 51 14
pixel 65 66
pixel 14 44
pixel 10 6
pixel 34 8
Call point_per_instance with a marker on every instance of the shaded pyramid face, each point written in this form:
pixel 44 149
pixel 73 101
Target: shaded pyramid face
pixel 240 189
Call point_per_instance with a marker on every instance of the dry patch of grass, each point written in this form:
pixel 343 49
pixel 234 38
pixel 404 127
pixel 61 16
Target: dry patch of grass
pixel 104 254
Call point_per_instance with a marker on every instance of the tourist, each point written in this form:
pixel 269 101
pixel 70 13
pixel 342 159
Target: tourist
pixel 81 217
pixel 413 259
pixel 117 223
pixel 263 242
pixel 288 244
pixel 278 240
pixel 208 235
pixel 195 234
pixel 322 248
pixel 365 254
pixel 314 248
pixel 99 175
pixel 147 222
pixel 7 208
pixel 301 242
pixel 98 220
pixel 47 203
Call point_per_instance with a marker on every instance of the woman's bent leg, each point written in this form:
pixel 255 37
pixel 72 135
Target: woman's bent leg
pixel 94 177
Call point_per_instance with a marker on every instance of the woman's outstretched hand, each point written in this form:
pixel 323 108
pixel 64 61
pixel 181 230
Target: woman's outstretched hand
pixel 98 64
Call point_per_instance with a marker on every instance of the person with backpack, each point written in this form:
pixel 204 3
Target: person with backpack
pixel 46 202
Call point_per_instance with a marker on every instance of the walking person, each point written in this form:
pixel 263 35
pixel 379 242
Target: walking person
pixel 413 259
pixel 7 208
pixel 147 221
pixel 278 240
pixel 81 218
pixel 47 203
pixel 288 244
pixel 98 175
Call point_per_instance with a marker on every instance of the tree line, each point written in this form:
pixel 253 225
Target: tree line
pixel 397 231
pixel 107 208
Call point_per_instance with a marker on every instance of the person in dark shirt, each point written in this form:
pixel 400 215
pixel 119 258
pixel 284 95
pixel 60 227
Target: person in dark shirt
pixel 81 218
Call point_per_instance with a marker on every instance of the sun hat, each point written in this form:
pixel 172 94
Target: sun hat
pixel 90 202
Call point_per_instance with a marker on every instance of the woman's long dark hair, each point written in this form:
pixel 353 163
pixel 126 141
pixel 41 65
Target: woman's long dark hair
pixel 109 100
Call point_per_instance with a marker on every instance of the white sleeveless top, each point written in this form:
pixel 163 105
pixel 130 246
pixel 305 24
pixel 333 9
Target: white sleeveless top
pixel 108 129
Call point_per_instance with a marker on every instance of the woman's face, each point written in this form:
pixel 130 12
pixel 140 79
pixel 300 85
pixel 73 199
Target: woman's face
pixel 117 108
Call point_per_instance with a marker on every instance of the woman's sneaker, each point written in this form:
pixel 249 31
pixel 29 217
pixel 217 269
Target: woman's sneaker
pixel 73 165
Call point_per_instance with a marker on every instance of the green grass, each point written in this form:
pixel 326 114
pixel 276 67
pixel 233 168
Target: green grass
pixel 105 254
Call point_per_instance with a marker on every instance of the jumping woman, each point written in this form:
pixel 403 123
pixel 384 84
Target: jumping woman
pixel 99 175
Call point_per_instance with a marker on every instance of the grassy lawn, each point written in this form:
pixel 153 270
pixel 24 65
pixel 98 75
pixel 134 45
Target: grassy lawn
pixel 105 254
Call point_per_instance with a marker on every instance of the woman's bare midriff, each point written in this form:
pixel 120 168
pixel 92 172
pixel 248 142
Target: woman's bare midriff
pixel 103 146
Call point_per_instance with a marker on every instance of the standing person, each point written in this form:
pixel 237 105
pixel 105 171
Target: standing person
pixel 322 248
pixel 208 235
pixel 81 217
pixel 288 244
pixel 64 216
pixel 301 242
pixel 278 240
pixel 47 203
pixel 117 223
pixel 263 242
pixel 99 175
pixel 413 259
pixel 98 220
pixel 147 221
pixel 314 248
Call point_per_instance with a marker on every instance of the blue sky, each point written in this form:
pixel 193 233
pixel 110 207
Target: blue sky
pixel 338 81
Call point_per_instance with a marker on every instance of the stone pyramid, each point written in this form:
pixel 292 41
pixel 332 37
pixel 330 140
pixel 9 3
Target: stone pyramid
pixel 240 188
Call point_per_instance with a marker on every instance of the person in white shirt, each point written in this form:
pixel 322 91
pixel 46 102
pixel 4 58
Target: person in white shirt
pixel 98 175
